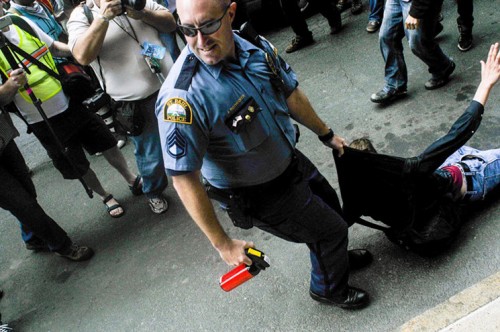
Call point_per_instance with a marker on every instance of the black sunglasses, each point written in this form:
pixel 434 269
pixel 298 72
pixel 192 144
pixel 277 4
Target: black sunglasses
pixel 206 29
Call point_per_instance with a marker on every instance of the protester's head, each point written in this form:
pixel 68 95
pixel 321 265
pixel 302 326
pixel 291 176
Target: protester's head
pixel 363 144
pixel 207 27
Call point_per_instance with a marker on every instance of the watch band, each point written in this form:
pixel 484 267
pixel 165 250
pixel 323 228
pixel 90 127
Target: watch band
pixel 326 137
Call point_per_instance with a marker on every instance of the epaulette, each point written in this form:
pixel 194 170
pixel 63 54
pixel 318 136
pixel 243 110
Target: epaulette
pixel 187 72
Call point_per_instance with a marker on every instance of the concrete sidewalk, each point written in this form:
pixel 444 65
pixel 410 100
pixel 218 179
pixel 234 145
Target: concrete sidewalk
pixel 159 273
pixel 476 308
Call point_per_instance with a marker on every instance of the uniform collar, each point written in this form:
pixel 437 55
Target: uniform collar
pixel 243 51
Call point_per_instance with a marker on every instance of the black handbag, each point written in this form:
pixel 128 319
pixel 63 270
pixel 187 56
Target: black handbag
pixel 127 117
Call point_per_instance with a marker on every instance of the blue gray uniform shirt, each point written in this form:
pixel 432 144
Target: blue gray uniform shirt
pixel 192 119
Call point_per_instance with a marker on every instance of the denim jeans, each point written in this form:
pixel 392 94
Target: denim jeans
pixel 148 153
pixel 421 42
pixel 376 10
pixel 301 206
pixel 484 167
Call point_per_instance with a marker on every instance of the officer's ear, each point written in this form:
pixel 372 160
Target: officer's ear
pixel 231 12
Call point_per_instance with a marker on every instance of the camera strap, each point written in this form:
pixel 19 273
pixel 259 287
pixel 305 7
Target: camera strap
pixel 37 62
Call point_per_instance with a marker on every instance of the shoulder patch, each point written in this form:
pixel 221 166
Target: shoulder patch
pixel 177 110
pixel 176 144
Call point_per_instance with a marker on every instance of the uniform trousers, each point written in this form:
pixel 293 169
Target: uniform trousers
pixel 18 196
pixel 301 206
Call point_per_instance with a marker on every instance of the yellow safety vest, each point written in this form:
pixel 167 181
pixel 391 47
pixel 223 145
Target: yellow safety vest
pixel 43 85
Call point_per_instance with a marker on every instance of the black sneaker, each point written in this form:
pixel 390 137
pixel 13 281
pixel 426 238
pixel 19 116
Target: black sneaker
pixel 383 96
pixel 36 244
pixel 76 253
pixel 464 41
pixel 299 42
pixel 437 82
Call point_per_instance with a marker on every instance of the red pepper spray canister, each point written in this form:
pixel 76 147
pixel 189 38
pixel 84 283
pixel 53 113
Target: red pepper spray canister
pixel 243 272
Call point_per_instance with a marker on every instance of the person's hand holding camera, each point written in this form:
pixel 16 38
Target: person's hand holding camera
pixel 134 14
pixel 110 9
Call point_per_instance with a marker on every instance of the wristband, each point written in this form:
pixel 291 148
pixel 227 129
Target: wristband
pixel 102 17
pixel 326 137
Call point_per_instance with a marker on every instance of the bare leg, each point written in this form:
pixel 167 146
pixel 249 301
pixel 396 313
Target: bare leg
pixel 116 159
pixel 93 182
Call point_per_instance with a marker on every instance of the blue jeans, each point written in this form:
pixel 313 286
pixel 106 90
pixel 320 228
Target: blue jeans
pixel 421 41
pixel 148 153
pixel 376 10
pixel 484 167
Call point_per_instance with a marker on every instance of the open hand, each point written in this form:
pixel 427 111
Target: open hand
pixel 490 70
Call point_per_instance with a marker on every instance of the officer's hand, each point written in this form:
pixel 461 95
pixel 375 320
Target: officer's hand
pixel 17 78
pixel 111 8
pixel 233 252
pixel 336 143
pixel 412 23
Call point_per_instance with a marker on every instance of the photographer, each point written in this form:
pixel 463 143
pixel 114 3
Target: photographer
pixel 74 127
pixel 122 45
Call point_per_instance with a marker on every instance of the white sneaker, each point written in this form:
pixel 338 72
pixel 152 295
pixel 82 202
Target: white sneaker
pixel 5 328
pixel 158 205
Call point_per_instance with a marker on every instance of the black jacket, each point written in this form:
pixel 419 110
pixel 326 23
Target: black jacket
pixel 422 9
pixel 387 188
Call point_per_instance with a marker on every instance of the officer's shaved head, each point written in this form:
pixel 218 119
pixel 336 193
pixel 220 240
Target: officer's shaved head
pixel 198 17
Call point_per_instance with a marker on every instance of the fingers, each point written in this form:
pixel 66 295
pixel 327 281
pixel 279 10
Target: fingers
pixel 18 77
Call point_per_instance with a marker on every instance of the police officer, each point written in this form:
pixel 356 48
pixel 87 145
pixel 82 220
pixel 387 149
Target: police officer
pixel 225 109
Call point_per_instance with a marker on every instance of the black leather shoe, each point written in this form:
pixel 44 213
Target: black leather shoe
pixel 354 299
pixel 336 28
pixel 385 97
pixel 437 82
pixel 359 258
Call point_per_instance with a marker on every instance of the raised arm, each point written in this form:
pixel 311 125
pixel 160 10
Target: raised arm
pixel 199 207
pixel 490 74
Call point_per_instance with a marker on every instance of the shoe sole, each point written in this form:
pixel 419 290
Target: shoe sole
pixel 390 99
pixel 464 49
pixel 160 212
pixel 321 299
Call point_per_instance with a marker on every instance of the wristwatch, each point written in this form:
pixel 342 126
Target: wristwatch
pixel 326 137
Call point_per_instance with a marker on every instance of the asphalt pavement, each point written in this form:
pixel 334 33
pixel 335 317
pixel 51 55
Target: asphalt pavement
pixel 159 273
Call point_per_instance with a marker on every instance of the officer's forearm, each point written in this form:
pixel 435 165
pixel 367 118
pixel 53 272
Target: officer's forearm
pixel 200 208
pixel 302 111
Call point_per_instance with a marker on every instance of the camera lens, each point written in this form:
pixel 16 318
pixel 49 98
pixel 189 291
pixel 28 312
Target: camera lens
pixel 135 4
